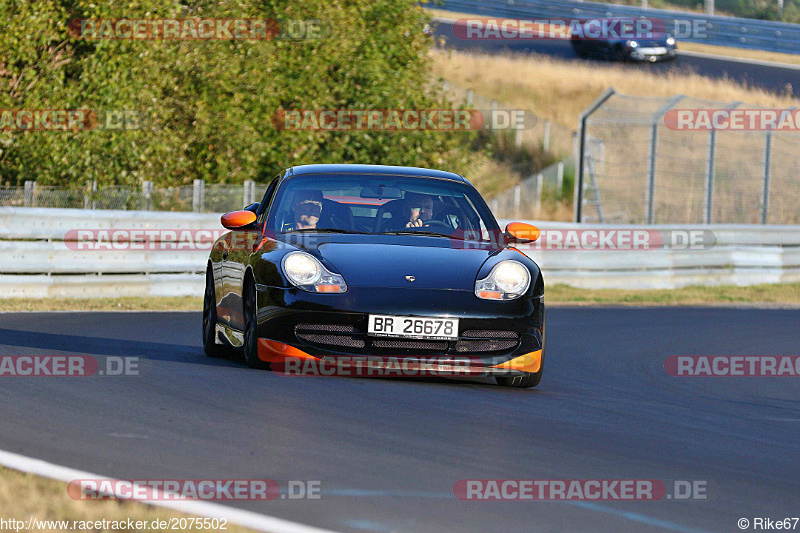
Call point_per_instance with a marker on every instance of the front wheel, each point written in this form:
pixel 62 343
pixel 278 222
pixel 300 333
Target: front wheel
pixel 210 345
pixel 250 346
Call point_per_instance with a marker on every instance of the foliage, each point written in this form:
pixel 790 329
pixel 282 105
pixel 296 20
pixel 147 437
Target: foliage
pixel 208 104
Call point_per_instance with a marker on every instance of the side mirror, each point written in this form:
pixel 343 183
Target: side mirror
pixel 238 219
pixel 521 232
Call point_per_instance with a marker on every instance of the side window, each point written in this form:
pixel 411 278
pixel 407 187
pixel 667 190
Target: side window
pixel 262 214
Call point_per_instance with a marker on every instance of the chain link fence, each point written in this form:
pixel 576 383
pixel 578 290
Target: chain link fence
pixel 637 165
pixel 199 197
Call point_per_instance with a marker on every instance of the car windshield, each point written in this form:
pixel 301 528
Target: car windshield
pixel 380 204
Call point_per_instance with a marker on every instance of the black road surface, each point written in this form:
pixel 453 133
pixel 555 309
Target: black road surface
pixel 769 77
pixel 388 451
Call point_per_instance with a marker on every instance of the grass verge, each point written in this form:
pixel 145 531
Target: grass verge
pixel 137 303
pixel 785 294
pixel 778 294
pixel 24 496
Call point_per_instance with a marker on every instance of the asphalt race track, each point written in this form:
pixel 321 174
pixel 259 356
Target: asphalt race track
pixel 770 77
pixel 388 451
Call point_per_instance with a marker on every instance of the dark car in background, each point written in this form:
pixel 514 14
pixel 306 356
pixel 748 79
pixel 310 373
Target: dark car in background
pixel 660 46
pixel 399 263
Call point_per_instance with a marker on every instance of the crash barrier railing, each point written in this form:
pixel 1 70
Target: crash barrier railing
pixel 39 256
pixel 199 197
pixel 695 27
pixel 650 160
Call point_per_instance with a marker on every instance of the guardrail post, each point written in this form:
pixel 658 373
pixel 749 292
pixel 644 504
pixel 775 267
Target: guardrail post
pixel 539 183
pixel 30 193
pixel 546 142
pixel 559 179
pixel 199 196
pixel 765 189
pixel 147 193
pixel 249 192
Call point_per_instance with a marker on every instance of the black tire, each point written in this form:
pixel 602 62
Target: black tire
pixel 250 345
pixel 527 380
pixel 210 345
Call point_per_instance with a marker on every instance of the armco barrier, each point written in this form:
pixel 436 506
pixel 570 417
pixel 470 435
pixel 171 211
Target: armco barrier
pixel 36 262
pixel 722 31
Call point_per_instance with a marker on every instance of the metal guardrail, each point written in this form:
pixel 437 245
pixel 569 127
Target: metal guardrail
pixel 35 261
pixel 721 31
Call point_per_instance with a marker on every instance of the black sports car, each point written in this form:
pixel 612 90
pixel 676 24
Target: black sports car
pixel 373 267
pixel 659 46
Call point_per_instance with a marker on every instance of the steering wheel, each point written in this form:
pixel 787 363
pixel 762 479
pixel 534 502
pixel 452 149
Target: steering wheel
pixel 433 224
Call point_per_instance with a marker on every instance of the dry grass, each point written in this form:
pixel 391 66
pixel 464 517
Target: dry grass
pixel 154 303
pixel 559 90
pixel 742 53
pixel 24 496
pixel 779 295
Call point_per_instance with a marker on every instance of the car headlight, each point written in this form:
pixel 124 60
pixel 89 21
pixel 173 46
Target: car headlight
pixel 305 272
pixel 670 40
pixel 507 280
pixel 632 44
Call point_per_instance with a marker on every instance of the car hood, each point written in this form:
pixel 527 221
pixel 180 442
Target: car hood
pixel 388 265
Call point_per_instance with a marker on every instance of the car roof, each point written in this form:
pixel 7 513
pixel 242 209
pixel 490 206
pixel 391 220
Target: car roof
pixel 372 169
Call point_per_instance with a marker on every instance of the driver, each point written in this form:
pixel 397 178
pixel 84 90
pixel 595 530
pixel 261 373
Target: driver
pixel 417 209
pixel 306 210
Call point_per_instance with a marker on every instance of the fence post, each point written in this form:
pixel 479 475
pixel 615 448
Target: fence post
pixel 582 149
pixel 30 193
pixel 518 137
pixel 147 193
pixel 767 164
pixel 709 192
pixel 198 196
pixel 470 95
pixel 517 199
pixel 94 194
pixel 650 192
pixel 546 142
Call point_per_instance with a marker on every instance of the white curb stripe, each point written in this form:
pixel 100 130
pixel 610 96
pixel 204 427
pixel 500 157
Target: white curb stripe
pixel 256 521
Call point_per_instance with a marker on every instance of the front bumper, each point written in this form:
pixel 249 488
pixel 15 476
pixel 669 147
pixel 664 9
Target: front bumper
pixel 503 338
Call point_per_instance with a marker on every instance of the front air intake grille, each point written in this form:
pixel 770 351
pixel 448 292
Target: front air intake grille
pixel 487 341
pixel 330 335
pixel 440 346
pixel 490 334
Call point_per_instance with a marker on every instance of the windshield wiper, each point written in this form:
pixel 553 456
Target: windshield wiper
pixel 326 230
pixel 417 232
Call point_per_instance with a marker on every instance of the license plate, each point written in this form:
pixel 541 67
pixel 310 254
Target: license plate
pixel 410 326
pixel 657 51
